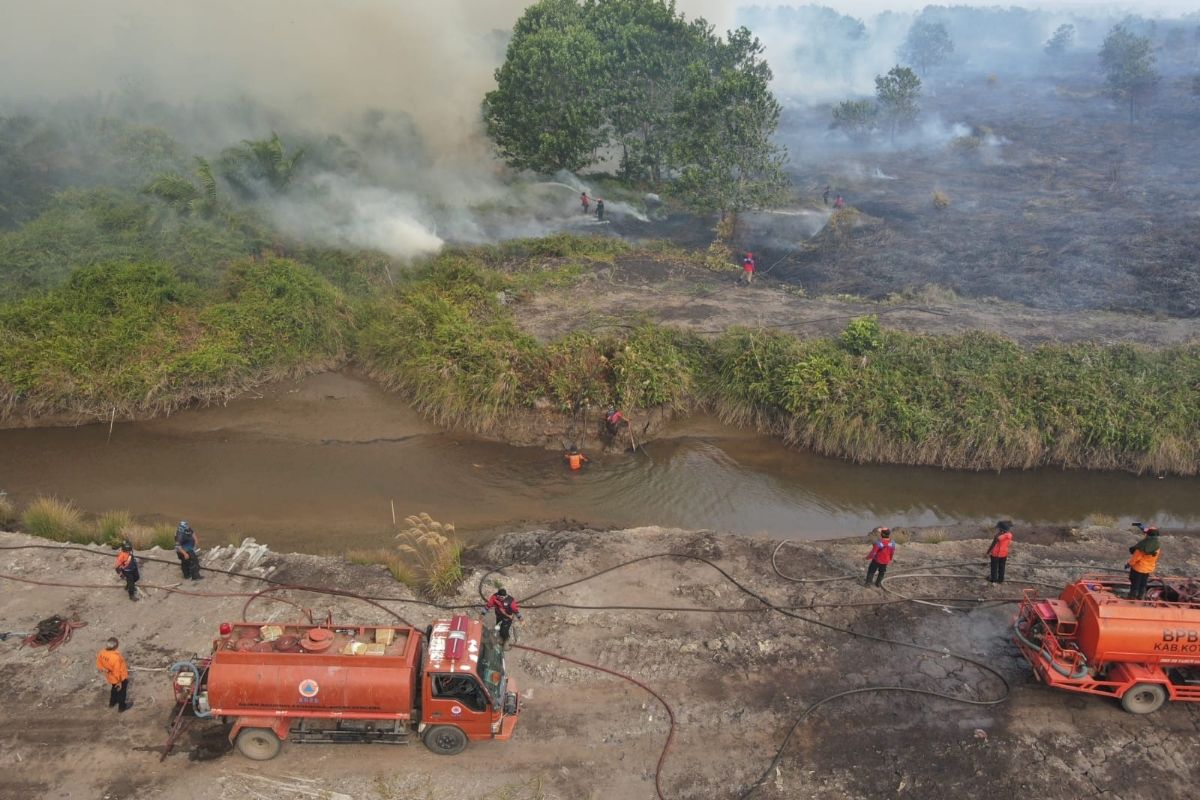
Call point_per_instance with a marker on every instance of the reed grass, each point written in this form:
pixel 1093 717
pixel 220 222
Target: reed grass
pixel 58 520
pixel 437 554
pixel 8 512
pixel 113 527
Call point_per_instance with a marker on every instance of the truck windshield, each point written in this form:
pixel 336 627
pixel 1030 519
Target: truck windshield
pixel 491 668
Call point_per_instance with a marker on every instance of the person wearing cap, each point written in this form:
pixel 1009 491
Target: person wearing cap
pixel 883 550
pixel 748 268
pixel 112 665
pixel 506 609
pixel 186 545
pixel 127 568
pixel 998 550
pixel 1143 558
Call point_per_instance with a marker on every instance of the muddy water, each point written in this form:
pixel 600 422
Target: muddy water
pixel 316 466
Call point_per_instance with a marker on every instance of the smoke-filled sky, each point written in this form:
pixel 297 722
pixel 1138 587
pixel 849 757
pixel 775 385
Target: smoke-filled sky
pixel 318 65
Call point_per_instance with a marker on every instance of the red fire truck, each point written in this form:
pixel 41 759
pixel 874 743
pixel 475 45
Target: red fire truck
pixel 352 683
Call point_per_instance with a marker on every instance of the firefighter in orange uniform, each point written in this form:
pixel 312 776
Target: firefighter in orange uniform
pixel 998 550
pixel 127 568
pixel 575 459
pixel 1143 558
pixel 111 663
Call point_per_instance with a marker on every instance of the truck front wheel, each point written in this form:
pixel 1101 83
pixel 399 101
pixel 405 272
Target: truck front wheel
pixel 259 744
pixel 1144 698
pixel 445 740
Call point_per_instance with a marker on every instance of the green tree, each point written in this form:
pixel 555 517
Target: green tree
pixel 545 112
pixel 1060 41
pixel 1128 63
pixel 724 120
pixel 897 94
pixel 855 117
pixel 927 45
pixel 184 196
pixel 649 47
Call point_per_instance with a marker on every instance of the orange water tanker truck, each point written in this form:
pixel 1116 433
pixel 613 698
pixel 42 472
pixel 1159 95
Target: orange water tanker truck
pixel 1092 639
pixel 446 686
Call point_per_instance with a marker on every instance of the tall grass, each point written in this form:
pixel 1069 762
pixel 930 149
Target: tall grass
pixel 392 561
pixel 112 527
pixel 51 518
pixel 8 512
pixel 437 554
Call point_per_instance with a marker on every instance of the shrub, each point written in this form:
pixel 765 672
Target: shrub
pixel 8 511
pixel 114 526
pixel 862 336
pixel 437 552
pixel 941 200
pixel 55 519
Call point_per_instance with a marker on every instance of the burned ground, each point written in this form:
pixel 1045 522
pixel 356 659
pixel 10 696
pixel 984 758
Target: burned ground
pixel 736 681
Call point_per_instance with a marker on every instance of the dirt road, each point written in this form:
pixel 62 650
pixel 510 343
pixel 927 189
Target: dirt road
pixel 736 681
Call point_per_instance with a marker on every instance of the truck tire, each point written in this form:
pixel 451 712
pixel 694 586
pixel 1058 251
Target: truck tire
pixel 1143 698
pixel 445 740
pixel 258 744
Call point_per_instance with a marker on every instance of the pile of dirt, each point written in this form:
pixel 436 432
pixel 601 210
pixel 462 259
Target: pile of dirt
pixel 735 674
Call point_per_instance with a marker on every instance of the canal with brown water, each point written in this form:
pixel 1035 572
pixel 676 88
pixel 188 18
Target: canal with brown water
pixel 317 465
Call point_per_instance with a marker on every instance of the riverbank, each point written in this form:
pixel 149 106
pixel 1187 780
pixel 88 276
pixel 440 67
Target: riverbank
pixel 463 339
pixel 735 681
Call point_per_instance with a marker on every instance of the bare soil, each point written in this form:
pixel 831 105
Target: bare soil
pixel 736 681
pixel 676 293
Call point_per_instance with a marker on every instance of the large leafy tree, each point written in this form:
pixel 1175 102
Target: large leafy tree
pixel 927 45
pixel 588 80
pixel 545 112
pixel 855 118
pixel 724 120
pixel 898 94
pixel 1128 62
pixel 1061 40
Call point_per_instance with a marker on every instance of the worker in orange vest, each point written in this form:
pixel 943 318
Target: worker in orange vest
pixel 111 663
pixel 1143 558
pixel 575 459
pixel 127 568
pixel 998 550
pixel 883 550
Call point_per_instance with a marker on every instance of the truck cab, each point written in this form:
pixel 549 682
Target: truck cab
pixel 466 694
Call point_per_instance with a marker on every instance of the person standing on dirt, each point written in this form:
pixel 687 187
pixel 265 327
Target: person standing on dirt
pixel 585 201
pixel 998 550
pixel 575 459
pixel 127 568
pixel 839 203
pixel 600 209
pixel 883 550
pixel 748 268
pixel 186 546
pixel 112 665
pixel 825 194
pixel 505 606
pixel 1143 558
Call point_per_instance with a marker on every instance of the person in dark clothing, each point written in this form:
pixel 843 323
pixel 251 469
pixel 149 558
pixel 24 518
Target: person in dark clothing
pixel 613 420
pixel 186 547
pixel 825 194
pixel 506 609
pixel 1143 558
pixel 998 550
pixel 600 209
pixel 883 550
pixel 127 568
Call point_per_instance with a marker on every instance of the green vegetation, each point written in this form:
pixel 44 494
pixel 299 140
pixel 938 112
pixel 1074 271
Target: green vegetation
pixel 927 45
pixel 437 553
pixel 54 519
pixel 112 526
pixel 685 108
pixel 138 339
pixel 1128 63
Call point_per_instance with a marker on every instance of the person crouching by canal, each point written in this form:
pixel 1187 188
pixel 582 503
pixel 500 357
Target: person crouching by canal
pixel 575 459
pixel 186 548
pixel 505 606
pixel 883 550
pixel 1143 558
pixel 112 665
pixel 127 568
pixel 998 550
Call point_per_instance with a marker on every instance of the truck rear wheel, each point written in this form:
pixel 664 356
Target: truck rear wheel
pixel 259 744
pixel 1144 698
pixel 445 740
